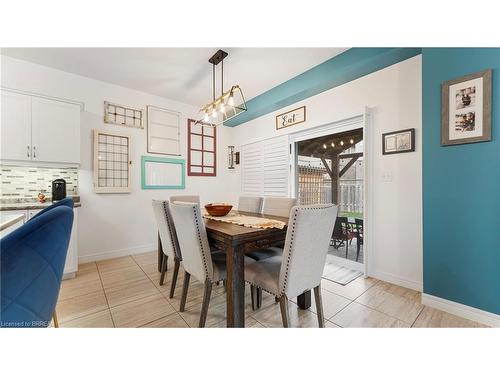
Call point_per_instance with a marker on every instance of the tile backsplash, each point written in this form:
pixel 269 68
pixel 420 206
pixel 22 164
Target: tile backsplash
pixel 24 183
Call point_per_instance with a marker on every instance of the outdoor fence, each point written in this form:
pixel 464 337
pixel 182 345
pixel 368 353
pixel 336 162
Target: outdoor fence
pixel 315 186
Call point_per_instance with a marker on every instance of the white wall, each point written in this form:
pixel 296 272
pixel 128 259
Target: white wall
pixel 394 95
pixel 116 224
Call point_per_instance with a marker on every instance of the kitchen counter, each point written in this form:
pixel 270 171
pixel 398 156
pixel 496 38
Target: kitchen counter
pixel 9 220
pixel 32 205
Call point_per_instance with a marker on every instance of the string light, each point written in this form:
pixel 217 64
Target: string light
pixel 333 144
pixel 324 146
pixel 352 141
pixel 341 143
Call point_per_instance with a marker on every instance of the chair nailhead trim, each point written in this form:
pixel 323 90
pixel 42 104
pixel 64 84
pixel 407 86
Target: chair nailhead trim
pixel 170 225
pixel 198 232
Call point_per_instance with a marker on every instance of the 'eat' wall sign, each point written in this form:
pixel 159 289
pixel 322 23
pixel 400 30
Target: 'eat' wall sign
pixel 293 117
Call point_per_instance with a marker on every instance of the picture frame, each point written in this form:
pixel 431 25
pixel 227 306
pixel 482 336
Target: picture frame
pixel 290 118
pixel 398 142
pixel 201 149
pixel 466 109
pixel 163 131
pixel 162 173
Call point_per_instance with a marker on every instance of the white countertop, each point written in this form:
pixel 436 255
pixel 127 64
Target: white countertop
pixel 8 220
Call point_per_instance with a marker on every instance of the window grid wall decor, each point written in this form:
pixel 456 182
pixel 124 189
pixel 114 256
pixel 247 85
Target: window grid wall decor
pixel 121 115
pixel 111 163
pixel 202 146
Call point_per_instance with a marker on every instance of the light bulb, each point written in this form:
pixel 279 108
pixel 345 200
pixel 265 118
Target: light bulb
pixel 352 141
pixel 206 117
pixel 333 144
pixel 214 112
pixel 341 143
pixel 324 146
pixel 222 108
pixel 231 100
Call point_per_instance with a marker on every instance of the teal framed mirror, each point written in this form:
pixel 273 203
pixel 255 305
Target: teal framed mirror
pixel 162 173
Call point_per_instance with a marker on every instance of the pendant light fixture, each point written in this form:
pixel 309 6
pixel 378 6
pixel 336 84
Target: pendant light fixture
pixel 228 105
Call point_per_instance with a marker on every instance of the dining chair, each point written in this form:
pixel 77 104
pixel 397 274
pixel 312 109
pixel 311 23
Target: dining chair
pixel 275 206
pixel 68 202
pixel 278 206
pixel 301 266
pixel 169 242
pixel 32 262
pixel 185 198
pixel 251 204
pixel 342 234
pixel 359 236
pixel 197 259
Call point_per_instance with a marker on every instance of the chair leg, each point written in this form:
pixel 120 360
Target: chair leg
pixel 259 298
pixel 177 263
pixel 206 302
pixel 185 287
pixel 285 317
pixel 346 248
pixel 252 297
pixel 319 306
pixel 358 248
pixel 54 318
pixel 164 262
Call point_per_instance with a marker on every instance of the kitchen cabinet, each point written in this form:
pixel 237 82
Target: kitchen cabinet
pixel 71 265
pixel 39 129
pixel 16 126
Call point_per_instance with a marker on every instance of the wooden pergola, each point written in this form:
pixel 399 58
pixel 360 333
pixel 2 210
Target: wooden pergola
pixel 330 147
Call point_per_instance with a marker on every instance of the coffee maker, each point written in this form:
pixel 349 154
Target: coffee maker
pixel 58 189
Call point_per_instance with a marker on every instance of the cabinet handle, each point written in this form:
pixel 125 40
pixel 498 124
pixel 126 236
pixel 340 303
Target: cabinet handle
pixel 28 151
pixel 34 151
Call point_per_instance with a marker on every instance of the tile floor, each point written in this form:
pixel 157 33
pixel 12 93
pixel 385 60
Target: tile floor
pixel 125 292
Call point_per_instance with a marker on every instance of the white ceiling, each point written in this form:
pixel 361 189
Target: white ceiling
pixel 182 74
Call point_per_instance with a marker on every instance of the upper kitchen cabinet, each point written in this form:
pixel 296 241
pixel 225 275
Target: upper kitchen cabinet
pixel 16 126
pixel 55 131
pixel 39 129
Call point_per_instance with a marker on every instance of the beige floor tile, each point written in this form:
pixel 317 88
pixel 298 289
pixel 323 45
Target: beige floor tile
pixel 169 321
pixel 329 324
pixel 115 264
pixel 77 307
pixel 249 323
pixel 84 283
pixel 270 316
pixel 352 290
pixel 87 267
pixel 141 311
pixel 122 276
pixel 130 292
pixel 101 319
pixel 357 315
pixel 398 302
pixel 150 269
pixel 332 303
pixel 216 312
pixel 151 257
pixel 433 318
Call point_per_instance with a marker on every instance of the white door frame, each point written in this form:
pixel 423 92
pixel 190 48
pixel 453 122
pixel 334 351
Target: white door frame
pixel 361 120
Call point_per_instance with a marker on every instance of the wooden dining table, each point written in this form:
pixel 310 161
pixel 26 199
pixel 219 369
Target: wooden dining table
pixel 236 240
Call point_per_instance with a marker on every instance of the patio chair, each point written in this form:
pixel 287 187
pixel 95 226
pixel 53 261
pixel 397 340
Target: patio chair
pixel 359 236
pixel 342 234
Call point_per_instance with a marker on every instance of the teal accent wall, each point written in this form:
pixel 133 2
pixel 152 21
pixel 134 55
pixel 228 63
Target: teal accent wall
pixel 350 65
pixel 461 187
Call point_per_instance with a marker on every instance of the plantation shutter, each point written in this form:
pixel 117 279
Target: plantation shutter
pixel 265 167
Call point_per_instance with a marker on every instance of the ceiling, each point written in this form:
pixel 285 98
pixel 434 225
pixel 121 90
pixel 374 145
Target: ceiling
pixel 182 74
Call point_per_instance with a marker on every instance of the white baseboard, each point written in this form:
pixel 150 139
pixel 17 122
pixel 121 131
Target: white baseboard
pixel 463 311
pixel 397 280
pixel 116 253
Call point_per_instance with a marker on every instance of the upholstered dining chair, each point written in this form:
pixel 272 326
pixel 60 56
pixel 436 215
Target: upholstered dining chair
pixel 276 206
pixel 185 198
pixel 250 204
pixel 32 263
pixel 63 202
pixel 168 238
pixel 304 255
pixel 197 259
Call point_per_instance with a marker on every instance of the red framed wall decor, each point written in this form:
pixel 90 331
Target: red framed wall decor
pixel 202 150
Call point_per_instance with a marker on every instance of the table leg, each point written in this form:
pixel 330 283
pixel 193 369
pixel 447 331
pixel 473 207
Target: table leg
pixel 304 300
pixel 235 287
pixel 160 253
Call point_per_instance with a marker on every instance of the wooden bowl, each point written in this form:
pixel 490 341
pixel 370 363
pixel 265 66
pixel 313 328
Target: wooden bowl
pixel 218 209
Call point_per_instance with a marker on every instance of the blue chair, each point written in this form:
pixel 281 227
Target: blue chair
pixel 63 202
pixel 32 262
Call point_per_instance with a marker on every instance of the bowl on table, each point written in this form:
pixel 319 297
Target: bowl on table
pixel 218 209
